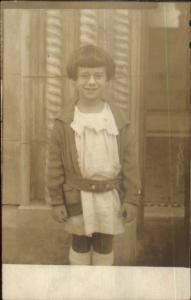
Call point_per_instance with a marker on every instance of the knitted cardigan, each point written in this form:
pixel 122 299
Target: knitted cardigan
pixel 63 160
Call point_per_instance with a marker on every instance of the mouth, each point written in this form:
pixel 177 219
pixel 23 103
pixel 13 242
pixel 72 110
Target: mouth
pixel 91 90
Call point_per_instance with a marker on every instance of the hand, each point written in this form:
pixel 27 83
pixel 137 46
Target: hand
pixel 59 213
pixel 128 212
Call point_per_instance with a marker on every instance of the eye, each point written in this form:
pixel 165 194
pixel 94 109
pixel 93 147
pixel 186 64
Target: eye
pixel 99 75
pixel 84 75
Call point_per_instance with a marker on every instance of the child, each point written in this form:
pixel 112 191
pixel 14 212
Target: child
pixel 93 170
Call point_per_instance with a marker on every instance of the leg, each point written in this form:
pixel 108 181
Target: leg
pixel 80 250
pixel 102 249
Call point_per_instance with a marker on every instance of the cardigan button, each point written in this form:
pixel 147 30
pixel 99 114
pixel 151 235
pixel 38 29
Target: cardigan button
pixel 93 187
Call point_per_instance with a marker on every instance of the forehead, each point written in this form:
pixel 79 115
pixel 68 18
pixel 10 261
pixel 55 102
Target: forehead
pixel 91 70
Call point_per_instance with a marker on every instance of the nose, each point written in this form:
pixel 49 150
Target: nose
pixel 91 80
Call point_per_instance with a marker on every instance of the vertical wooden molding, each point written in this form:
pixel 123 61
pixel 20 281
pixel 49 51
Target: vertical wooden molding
pixel 138 44
pixel 53 90
pixel 188 171
pixel 135 75
pixel 122 59
pixel 24 112
pixel 1 41
pixel 88 27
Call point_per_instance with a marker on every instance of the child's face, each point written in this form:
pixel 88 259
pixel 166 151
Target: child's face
pixel 91 83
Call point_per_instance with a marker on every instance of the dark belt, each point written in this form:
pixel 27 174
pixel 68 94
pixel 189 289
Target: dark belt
pixel 89 185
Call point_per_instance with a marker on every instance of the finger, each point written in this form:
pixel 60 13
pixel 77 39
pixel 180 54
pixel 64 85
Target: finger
pixel 64 216
pixel 59 217
pixel 61 220
pixel 124 214
pixel 64 220
pixel 64 213
pixel 121 212
pixel 124 220
pixel 56 218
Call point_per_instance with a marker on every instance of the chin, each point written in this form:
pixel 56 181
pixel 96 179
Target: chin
pixel 92 97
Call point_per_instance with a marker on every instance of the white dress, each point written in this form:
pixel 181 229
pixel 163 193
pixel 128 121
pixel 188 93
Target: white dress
pixel 98 158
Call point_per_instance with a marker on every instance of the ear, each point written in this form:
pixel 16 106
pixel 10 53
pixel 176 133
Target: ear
pixel 73 83
pixel 72 80
pixel 73 89
pixel 76 95
pixel 108 83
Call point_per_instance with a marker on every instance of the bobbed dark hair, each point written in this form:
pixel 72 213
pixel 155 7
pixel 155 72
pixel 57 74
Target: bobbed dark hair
pixel 90 56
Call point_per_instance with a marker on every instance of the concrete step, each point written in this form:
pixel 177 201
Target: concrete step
pixel 30 235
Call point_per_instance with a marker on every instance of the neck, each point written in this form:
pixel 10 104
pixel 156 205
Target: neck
pixel 90 106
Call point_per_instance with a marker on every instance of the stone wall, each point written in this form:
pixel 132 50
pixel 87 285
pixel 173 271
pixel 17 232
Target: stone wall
pixel 12 121
pixel 37 45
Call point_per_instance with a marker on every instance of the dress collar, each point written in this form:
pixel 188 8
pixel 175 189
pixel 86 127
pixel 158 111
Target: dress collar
pixel 120 116
pixel 97 122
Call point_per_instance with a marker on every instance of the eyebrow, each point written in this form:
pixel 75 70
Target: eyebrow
pixel 87 72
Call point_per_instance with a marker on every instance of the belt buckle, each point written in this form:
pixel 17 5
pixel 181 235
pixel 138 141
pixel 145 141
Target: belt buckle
pixel 100 187
pixel 93 187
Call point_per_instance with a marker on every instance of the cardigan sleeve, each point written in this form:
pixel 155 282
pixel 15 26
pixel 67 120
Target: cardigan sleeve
pixel 130 167
pixel 55 168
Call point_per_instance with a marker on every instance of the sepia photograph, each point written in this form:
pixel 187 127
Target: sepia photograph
pixel 96 129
